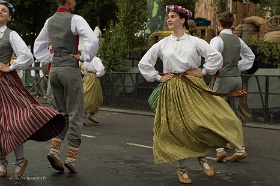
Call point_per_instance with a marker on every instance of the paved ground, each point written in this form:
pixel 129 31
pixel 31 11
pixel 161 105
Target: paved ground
pixel 118 152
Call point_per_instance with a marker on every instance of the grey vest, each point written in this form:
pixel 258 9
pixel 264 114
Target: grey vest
pixel 6 51
pixel 63 41
pixel 231 55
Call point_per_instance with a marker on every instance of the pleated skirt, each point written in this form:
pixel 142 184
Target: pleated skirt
pixel 22 118
pixel 191 123
pixel 93 97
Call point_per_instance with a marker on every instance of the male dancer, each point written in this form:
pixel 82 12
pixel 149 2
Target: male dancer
pixel 63 30
pixel 228 79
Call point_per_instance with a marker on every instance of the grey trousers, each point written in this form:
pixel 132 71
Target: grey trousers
pixel 50 95
pixel 229 84
pixel 67 87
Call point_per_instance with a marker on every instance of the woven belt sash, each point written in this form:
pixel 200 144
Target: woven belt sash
pixel 239 93
pixel 153 98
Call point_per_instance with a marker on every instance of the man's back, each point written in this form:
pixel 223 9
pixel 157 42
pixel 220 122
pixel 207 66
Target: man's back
pixel 63 41
pixel 231 55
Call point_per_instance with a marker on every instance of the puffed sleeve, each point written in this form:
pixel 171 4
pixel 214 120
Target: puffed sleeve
pixel 41 51
pixel 79 26
pixel 247 57
pixel 98 66
pixel 213 58
pixel 147 63
pixel 24 56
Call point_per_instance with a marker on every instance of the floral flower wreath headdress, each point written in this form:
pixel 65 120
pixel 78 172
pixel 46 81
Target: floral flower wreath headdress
pixel 9 5
pixel 176 8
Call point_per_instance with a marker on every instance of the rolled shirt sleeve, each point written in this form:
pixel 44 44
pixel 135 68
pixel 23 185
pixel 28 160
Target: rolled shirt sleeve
pixel 147 63
pixel 213 58
pixel 79 26
pixel 41 51
pixel 247 57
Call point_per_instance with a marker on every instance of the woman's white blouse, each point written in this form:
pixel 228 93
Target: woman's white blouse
pixel 179 55
pixel 95 66
pixel 23 53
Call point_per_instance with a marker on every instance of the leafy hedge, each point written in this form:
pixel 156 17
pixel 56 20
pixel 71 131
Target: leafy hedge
pixel 269 53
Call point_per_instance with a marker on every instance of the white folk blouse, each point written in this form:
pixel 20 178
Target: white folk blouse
pixel 79 26
pixel 95 66
pixel 23 53
pixel 179 55
pixel 246 54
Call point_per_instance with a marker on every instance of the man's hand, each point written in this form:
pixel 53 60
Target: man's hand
pixel 77 56
pixel 166 77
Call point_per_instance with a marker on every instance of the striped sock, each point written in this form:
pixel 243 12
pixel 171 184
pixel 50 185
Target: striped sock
pixel 72 155
pixel 55 147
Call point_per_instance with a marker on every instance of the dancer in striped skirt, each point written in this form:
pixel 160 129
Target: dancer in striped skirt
pixel 188 122
pixel 93 97
pixel 22 118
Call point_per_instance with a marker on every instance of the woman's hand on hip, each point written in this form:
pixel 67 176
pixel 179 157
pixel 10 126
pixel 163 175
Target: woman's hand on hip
pixel 166 78
pixel 195 72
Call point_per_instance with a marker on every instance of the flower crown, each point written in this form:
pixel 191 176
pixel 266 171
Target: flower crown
pixel 9 5
pixel 176 8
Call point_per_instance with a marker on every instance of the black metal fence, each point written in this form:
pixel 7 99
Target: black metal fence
pixel 131 91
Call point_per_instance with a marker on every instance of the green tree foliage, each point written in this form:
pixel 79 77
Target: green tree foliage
pixel 31 15
pixel 273 4
pixel 123 36
pixel 113 49
pixel 268 52
pixel 29 18
pixel 97 12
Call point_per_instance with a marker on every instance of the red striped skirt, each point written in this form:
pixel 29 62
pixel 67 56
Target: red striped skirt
pixel 22 118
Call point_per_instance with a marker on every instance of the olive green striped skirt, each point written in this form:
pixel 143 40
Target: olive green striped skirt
pixel 191 123
pixel 93 97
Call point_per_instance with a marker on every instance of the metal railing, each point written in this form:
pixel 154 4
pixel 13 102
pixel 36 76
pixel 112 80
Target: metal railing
pixel 131 91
